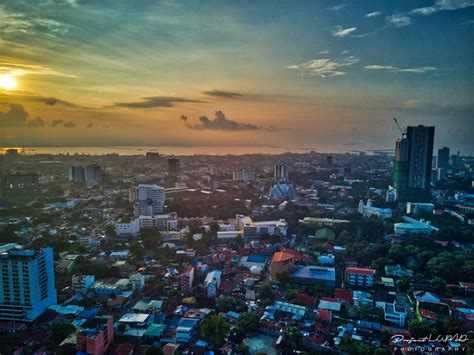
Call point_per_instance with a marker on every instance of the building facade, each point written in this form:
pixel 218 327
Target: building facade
pixel 27 283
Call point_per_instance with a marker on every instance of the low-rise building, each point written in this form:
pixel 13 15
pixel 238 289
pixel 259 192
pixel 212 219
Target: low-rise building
pixel 417 208
pixel 82 283
pixel 282 261
pixel 95 335
pixel 368 210
pixel 356 276
pixel 412 226
pixel 315 275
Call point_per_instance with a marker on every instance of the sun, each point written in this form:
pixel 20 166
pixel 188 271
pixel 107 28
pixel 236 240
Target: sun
pixel 7 82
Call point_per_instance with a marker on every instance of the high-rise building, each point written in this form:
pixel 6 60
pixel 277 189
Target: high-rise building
pixel 173 166
pixel 27 282
pixel 149 200
pixel 90 174
pixel 280 172
pixel 443 158
pixel 93 175
pixel 243 175
pixel 412 164
pixel 77 174
pixel 329 159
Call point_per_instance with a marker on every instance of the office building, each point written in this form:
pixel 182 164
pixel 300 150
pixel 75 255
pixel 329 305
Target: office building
pixel 173 166
pixel 418 208
pixel 443 158
pixel 148 199
pixel 77 174
pixel 356 276
pixel 27 282
pixel 91 175
pixel 280 172
pixel 243 175
pixel 412 164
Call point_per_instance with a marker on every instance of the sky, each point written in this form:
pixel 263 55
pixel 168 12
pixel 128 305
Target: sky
pixel 310 74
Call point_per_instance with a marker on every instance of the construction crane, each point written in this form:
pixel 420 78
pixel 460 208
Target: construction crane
pixel 403 131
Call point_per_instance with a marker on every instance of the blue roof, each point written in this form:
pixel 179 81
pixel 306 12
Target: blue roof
pixel 316 272
pixel 89 313
pixel 256 259
pixel 233 314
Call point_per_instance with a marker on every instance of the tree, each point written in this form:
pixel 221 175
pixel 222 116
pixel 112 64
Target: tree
pixel 153 350
pixel 292 339
pixel 59 331
pixel 418 329
pixel 110 230
pixel 403 283
pixel 283 277
pixel 266 293
pixel 242 348
pixel 226 304
pixel 215 330
pixel 249 322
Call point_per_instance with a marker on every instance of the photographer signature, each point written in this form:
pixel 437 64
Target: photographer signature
pixel 461 338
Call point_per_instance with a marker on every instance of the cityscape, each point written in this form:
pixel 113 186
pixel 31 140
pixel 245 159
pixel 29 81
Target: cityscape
pixel 326 208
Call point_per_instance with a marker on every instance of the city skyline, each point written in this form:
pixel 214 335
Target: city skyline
pixel 308 74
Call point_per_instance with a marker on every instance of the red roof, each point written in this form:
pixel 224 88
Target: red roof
pixel 325 314
pixel 282 256
pixel 305 299
pixel 329 299
pixel 341 294
pixel 360 271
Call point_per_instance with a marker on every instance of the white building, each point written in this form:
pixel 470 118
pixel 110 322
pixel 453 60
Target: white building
pixel 254 229
pixel 368 210
pixel 417 208
pixel 243 175
pixel 81 283
pixel 212 282
pixel 137 281
pixel 395 314
pixel 148 200
pixel 412 226
pixel 167 221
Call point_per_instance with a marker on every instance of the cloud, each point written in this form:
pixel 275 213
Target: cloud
pixel 17 69
pixel 154 101
pixel 380 67
pixel 223 94
pixel 398 20
pixel 15 23
pixel 15 116
pixel 416 70
pixel 337 7
pixel 342 32
pixel 443 5
pixel 37 122
pixel 464 110
pixel 220 123
pixel 324 52
pixel 323 67
pixel 373 14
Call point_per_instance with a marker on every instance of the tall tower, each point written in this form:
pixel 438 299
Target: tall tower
pixel 420 155
pixel 281 172
pixel 443 158
pixel 412 164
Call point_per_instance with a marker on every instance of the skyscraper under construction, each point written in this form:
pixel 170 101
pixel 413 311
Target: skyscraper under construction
pixel 412 164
